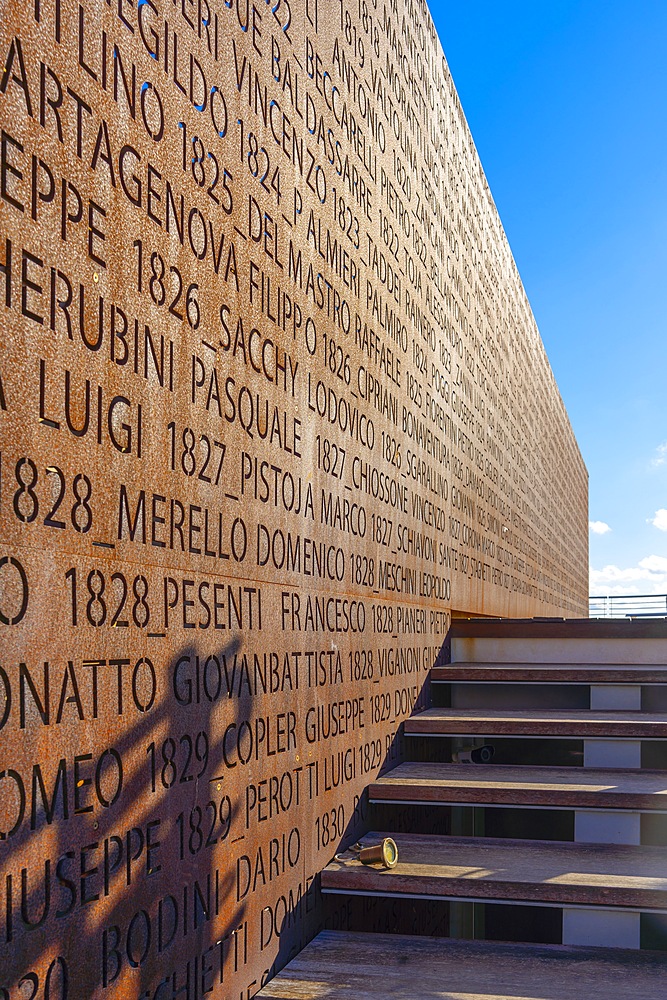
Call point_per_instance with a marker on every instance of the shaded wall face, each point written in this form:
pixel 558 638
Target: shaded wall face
pixel 272 405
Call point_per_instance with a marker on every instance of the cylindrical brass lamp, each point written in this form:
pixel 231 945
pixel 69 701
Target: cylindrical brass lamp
pixel 385 854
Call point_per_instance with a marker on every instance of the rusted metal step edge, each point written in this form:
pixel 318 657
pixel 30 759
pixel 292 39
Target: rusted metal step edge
pixel 339 965
pixel 552 673
pixel 518 871
pixel 572 628
pixel 555 724
pixel 537 787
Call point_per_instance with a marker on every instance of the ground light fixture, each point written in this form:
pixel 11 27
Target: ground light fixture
pixel 384 853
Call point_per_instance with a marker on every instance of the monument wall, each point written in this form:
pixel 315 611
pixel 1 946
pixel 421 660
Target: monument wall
pixel 273 404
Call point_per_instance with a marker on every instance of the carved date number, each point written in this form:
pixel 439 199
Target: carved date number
pixel 336 361
pixel 347 221
pixel 56 984
pixel 353 36
pixel 391 450
pixel 361 664
pixel 205 169
pixel 55 505
pixel 380 707
pixel 175 761
pixel 414 390
pixel 330 457
pixel 166 287
pixel 120 602
pixel 258 161
pixel 419 358
pixel 370 756
pixel 419 246
pixel 381 529
pixel 389 235
pixel 362 571
pixel 368 23
pixel 402 176
pixel 203 459
pixel 204 827
pixel 383 619
pixel 330 827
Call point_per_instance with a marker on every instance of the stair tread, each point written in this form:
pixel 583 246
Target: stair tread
pixel 559 673
pixel 556 873
pixel 601 788
pixel 339 965
pixel 538 722
pixel 559 629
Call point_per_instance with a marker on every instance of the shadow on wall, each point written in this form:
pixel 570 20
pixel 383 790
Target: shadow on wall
pixel 116 879
pixel 91 904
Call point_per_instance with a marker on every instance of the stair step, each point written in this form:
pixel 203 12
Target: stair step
pixel 341 966
pixel 552 673
pixel 562 724
pixel 521 871
pixel 559 628
pixel 575 641
pixel 501 784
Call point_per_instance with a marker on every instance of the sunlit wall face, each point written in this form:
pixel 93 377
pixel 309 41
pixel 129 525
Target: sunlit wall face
pixel 273 405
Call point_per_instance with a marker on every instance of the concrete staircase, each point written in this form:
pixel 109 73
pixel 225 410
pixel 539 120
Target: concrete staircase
pixel 560 841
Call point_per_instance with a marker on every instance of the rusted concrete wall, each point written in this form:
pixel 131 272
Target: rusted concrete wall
pixel 272 405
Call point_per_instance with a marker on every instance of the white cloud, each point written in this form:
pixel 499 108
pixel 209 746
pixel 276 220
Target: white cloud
pixel 600 527
pixel 654 564
pixel 660 519
pixel 660 456
pixel 649 576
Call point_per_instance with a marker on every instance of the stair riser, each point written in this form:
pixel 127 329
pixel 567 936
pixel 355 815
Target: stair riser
pixel 601 928
pixel 521 696
pixel 521 802
pixel 607 827
pixel 613 753
pixel 555 674
pixel 459 892
pixel 616 697
pixel 488 732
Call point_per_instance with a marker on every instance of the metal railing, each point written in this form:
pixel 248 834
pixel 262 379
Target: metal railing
pixel 628 606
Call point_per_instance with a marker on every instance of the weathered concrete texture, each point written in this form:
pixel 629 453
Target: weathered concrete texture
pixel 272 404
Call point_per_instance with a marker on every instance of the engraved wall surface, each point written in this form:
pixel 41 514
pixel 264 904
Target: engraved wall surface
pixel 273 404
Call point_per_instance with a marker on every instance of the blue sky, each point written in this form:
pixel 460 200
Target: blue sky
pixel 567 103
